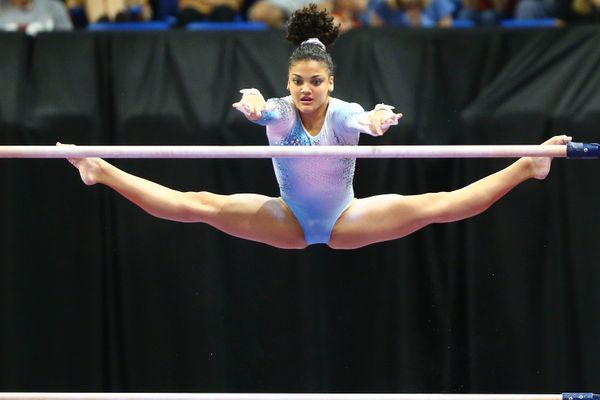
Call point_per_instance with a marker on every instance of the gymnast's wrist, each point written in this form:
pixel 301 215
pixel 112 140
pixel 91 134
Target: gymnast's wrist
pixel 251 92
pixel 389 110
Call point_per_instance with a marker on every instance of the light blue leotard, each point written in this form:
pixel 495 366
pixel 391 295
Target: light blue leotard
pixel 317 190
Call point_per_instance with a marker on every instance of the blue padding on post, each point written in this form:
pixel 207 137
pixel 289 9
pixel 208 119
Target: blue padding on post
pixel 580 396
pixel 583 150
pixel 227 26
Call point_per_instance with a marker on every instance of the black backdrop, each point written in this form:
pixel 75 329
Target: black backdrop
pixel 97 296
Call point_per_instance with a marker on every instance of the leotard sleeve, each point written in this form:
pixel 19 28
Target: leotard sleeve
pixel 278 116
pixel 352 117
pixel 347 119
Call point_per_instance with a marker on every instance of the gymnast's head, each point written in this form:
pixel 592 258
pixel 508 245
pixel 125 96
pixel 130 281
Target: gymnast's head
pixel 310 67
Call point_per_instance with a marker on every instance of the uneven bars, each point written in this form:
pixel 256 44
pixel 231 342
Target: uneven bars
pixel 570 150
pixel 292 396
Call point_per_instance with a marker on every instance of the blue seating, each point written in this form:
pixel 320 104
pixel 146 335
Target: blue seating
pixel 129 26
pixel 463 23
pixel 227 26
pixel 528 23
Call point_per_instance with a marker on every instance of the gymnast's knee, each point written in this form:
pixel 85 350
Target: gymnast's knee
pixel 198 206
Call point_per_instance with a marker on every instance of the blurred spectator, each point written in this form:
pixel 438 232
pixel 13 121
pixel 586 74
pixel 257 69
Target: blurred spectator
pixel 208 10
pixel 534 9
pixel 33 16
pixel 347 13
pixel 578 11
pixel 275 13
pixel 113 10
pixel 411 13
pixel 488 12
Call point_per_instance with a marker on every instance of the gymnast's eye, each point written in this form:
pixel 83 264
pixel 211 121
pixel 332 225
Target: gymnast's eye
pixel 297 81
pixel 317 82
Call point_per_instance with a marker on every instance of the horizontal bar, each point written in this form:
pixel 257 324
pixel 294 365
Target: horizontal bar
pixel 278 396
pixel 501 151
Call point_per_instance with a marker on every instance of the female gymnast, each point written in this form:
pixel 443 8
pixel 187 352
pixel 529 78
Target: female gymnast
pixel 317 203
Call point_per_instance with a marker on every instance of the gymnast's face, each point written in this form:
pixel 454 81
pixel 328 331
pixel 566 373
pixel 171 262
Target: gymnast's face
pixel 310 83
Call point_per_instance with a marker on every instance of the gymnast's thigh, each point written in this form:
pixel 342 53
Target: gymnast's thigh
pixel 381 218
pixel 256 217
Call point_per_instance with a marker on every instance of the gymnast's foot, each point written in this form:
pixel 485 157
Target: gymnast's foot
pixel 540 166
pixel 89 168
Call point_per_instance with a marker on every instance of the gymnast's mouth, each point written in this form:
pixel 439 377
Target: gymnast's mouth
pixel 305 100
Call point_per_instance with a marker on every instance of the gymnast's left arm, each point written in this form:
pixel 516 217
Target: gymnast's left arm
pixel 380 119
pixel 375 122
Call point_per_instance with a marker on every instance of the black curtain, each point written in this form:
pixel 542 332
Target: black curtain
pixel 95 295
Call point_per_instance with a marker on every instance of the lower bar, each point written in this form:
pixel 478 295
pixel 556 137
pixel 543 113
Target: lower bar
pixel 286 396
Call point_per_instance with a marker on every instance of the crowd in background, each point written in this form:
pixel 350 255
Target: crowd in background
pixel 33 16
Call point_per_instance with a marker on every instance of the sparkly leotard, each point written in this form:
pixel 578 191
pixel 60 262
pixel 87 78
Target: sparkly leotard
pixel 317 190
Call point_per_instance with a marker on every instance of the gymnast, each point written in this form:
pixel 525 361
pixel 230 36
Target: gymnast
pixel 317 203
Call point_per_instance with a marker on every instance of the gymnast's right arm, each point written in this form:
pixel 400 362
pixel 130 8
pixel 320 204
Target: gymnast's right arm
pixel 252 104
pixel 277 114
pixel 155 199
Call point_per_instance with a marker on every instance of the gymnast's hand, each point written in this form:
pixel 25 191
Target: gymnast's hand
pixel 89 168
pixel 380 119
pixel 252 104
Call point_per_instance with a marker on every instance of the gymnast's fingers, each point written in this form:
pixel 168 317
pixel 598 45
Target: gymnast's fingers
pixel 566 139
pixel 392 120
pixel 250 111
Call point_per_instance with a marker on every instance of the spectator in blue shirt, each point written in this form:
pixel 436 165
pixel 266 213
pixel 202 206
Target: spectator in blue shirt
pixel 411 13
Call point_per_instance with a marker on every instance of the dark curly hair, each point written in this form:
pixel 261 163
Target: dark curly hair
pixel 308 23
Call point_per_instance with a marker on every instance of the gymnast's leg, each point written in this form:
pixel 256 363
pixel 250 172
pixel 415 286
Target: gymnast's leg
pixel 249 216
pixel 387 217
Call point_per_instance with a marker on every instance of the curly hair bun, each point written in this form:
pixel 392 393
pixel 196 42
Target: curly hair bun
pixel 308 22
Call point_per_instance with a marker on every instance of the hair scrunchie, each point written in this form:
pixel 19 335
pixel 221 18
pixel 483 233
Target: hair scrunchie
pixel 314 41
